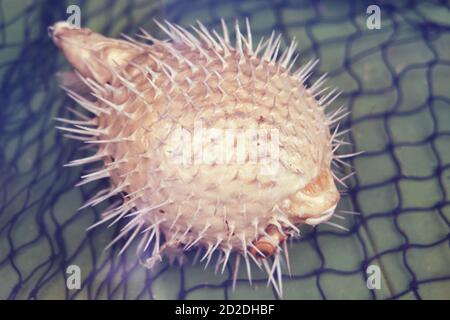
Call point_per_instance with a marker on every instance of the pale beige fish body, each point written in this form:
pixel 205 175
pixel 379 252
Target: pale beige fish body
pixel 213 145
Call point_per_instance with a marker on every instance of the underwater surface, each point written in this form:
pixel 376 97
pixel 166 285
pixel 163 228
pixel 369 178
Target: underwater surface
pixel 395 81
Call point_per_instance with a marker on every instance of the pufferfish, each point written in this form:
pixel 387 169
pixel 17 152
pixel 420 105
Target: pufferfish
pixel 209 144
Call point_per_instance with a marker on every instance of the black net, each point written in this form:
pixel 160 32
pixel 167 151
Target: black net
pixel 395 82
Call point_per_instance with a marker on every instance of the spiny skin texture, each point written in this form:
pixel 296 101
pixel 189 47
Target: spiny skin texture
pixel 142 93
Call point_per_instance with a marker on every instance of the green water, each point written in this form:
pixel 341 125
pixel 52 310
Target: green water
pixel 395 81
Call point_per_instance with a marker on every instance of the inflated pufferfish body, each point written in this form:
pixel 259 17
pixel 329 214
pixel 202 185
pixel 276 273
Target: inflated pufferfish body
pixel 213 145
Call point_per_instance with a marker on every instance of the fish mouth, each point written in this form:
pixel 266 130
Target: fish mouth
pixel 267 245
pixel 324 216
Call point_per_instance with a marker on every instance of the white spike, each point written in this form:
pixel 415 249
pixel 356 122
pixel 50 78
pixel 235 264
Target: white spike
pixel 259 47
pixel 197 255
pixel 152 235
pixel 247 262
pixel 90 122
pixel 199 237
pixel 333 121
pixel 77 162
pixel 287 55
pixel 269 272
pixel 335 113
pixel 349 212
pixel 80 115
pixel 212 252
pixel 319 82
pixel 218 262
pixel 163 28
pixel 249 37
pixel 88 105
pixel 99 199
pixel 269 47
pixel 122 234
pixel 225 32
pixel 326 104
pixel 96 175
pixel 349 155
pixel 338 226
pixel 236 270
pixel 277 265
pixel 227 253
pixel 238 40
pixel 304 72
pixel 274 54
pixel 223 45
pixel 131 238
pixel 286 256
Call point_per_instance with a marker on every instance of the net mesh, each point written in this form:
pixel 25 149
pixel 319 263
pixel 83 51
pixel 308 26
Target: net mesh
pixel 395 82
